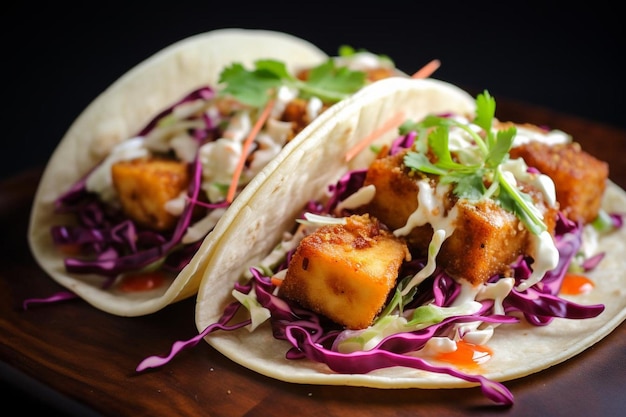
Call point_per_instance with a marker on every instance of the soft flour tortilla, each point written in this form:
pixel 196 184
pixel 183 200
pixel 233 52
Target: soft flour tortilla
pixel 272 206
pixel 118 114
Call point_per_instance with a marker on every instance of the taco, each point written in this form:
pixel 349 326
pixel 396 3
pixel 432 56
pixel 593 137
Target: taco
pixel 152 164
pixel 335 294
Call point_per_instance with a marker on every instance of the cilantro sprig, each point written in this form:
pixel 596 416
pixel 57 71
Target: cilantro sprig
pixel 483 166
pixel 327 81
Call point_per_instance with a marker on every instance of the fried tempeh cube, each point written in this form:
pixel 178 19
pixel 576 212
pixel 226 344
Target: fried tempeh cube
pixel 145 185
pixel 579 178
pixel 486 238
pixel 346 272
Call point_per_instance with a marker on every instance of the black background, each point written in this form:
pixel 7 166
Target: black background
pixel 56 59
pixel 564 58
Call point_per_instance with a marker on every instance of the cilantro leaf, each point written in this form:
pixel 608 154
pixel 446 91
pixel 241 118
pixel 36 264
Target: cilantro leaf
pixel 469 186
pixel 438 143
pixel 420 162
pixel 469 179
pixel 485 111
pixel 252 87
pixel 327 81
pixel 332 83
pixel 520 203
pixel 500 147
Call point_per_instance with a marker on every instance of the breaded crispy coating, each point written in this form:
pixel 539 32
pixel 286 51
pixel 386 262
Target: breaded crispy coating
pixel 396 197
pixel 296 110
pixel 145 185
pixel 486 238
pixel 345 272
pixel 579 178
pixel 296 113
pixel 375 74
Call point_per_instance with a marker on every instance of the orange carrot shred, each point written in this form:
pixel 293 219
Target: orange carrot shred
pixel 246 147
pixel 392 123
pixel 276 281
pixel 397 119
pixel 427 70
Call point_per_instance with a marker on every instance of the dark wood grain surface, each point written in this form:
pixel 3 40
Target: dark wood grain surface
pixel 71 358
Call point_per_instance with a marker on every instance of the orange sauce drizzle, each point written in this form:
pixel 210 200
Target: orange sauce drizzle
pixel 277 282
pixel 143 281
pixel 574 284
pixel 467 355
pixel 70 249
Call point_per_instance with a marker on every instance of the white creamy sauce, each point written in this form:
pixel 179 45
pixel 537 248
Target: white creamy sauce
pixel 462 144
pixel 362 61
pixel 518 171
pixel 314 108
pixel 433 249
pixel 430 210
pixel 475 332
pixel 185 147
pixel 219 160
pixel 159 138
pixel 269 143
pixel 436 345
pixel 239 126
pixel 545 256
pixel 459 140
pixel 283 97
pixel 360 198
pixel 467 294
pixel 471 331
pixel 496 291
pixel 100 180
pixel 543 250
pixel 551 137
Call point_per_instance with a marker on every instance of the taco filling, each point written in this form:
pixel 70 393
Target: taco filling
pixel 142 213
pixel 460 228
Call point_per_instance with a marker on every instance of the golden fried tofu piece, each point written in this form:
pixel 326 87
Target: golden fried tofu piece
pixel 375 74
pixel 396 196
pixel 345 272
pixel 485 241
pixel 486 238
pixel 296 113
pixel 579 178
pixel 145 185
